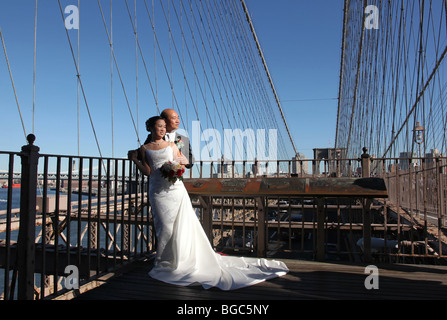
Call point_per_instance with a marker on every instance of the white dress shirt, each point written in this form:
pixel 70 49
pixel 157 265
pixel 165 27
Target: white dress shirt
pixel 170 136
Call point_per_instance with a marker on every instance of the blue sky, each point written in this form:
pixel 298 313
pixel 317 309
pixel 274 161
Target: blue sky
pixel 301 41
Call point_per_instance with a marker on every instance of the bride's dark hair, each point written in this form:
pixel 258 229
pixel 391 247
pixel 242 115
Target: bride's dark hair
pixel 150 123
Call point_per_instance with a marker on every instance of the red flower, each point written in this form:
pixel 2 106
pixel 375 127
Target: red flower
pixel 172 171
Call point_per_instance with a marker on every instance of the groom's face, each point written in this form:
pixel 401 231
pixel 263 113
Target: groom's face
pixel 173 121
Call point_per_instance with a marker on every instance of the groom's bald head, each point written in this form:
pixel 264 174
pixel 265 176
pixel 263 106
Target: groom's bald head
pixel 172 119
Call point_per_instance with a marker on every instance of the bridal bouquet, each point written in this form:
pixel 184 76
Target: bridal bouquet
pixel 172 171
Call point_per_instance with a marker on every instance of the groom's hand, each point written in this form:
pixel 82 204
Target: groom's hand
pixel 182 159
pixel 132 154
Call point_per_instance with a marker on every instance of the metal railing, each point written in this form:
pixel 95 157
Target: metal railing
pixel 94 213
pixel 419 188
pixel 91 213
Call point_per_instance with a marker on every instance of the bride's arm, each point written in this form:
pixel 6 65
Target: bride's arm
pixel 178 156
pixel 141 165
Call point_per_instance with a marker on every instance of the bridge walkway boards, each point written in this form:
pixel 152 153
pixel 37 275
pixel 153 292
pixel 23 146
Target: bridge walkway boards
pixel 306 280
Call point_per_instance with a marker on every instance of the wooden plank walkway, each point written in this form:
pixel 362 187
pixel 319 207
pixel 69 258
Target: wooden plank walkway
pixel 307 280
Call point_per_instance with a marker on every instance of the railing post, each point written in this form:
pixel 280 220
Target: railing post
pixel 207 222
pixel 440 195
pixel 366 164
pixel 366 172
pixel 26 238
pixel 367 230
pixel 320 230
pixel 262 229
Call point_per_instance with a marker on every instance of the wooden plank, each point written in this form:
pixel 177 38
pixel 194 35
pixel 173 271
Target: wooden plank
pixel 306 280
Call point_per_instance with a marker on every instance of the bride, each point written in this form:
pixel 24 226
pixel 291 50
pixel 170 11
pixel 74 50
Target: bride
pixel 184 253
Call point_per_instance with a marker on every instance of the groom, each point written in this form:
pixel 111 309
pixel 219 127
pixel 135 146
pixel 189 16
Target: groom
pixel 182 142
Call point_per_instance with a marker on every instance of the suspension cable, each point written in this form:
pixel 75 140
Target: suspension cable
pixel 12 82
pixel 247 15
pixel 119 75
pixel 34 64
pixel 80 81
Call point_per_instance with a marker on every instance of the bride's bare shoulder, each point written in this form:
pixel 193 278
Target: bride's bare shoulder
pixel 144 147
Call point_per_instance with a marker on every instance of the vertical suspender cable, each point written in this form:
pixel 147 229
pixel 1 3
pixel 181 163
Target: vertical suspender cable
pixel 136 65
pixel 119 73
pixel 183 61
pixel 111 74
pixel 267 71
pixel 80 82
pixel 170 54
pixel 343 47
pixel 77 91
pixel 155 59
pixel 12 82
pixel 357 77
pixel 138 48
pixel 34 65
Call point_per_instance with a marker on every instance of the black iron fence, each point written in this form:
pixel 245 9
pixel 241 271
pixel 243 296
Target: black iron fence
pixel 93 214
pixel 90 213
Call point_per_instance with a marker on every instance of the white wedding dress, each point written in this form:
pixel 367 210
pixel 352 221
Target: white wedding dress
pixel 184 253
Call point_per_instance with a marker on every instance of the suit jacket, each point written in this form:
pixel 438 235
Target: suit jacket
pixel 185 149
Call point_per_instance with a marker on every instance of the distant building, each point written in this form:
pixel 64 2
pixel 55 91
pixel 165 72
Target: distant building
pixel 256 168
pixel 225 168
pixel 300 165
pixel 406 159
pixel 431 158
pixel 332 157
pixel 434 153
